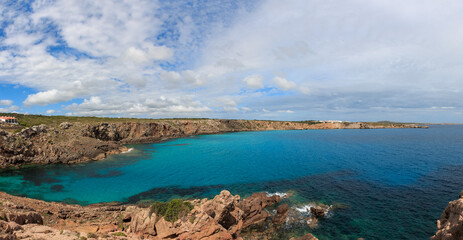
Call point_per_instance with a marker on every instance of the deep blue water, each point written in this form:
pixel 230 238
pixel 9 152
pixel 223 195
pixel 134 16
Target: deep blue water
pixel 393 183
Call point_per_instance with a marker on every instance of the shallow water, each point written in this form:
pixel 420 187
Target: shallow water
pixel 394 183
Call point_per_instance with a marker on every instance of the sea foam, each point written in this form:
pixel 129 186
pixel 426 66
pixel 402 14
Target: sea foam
pixel 282 195
pixel 128 150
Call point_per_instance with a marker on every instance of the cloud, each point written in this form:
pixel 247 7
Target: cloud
pixel 254 81
pixel 124 105
pixel 285 111
pixel 6 102
pixel 170 58
pixel 284 84
pixel 181 80
pixel 50 111
pixel 9 109
pixel 44 98
pixel 304 90
pixel 149 53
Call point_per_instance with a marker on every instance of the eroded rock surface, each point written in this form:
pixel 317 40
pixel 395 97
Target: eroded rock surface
pixel 223 217
pixel 450 224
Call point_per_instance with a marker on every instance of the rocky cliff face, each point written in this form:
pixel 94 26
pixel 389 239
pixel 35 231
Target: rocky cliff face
pixel 223 217
pixel 76 142
pixel 450 224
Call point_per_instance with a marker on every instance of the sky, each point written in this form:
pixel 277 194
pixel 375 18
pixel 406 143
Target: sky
pixel 353 60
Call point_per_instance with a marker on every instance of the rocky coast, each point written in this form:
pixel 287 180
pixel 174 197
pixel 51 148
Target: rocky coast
pixel 226 216
pixel 74 142
pixel 450 224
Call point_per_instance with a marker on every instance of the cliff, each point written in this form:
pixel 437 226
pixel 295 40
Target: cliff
pixel 223 217
pixel 450 224
pixel 80 142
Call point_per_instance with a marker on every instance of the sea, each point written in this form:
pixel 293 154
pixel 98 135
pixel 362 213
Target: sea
pixel 380 183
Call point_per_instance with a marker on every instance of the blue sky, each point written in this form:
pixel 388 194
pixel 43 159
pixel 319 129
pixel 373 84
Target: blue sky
pixel 290 60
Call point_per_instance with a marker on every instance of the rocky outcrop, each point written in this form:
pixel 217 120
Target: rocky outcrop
pixel 223 217
pixel 44 145
pixel 450 224
pixel 282 214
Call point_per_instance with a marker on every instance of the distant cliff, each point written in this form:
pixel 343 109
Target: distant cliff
pixel 80 142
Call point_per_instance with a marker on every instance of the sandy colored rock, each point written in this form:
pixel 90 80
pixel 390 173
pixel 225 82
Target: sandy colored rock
pixel 450 224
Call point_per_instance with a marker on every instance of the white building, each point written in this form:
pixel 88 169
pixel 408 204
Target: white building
pixel 8 120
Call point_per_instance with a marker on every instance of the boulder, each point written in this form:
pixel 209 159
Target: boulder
pixel 223 209
pixel 65 125
pixel 142 221
pixel 282 213
pixel 253 208
pixel 319 210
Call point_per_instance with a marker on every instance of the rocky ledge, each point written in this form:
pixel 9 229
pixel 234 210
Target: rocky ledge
pixel 76 142
pixel 450 224
pixel 223 217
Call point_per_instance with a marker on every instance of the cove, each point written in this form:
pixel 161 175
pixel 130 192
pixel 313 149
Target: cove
pixel 394 183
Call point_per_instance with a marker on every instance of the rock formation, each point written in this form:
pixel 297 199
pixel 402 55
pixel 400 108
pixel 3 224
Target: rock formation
pixel 450 224
pixel 223 217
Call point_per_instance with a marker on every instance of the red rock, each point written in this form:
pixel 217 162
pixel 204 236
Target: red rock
pixel 282 213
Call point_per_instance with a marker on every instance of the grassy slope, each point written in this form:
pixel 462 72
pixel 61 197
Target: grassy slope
pixel 54 121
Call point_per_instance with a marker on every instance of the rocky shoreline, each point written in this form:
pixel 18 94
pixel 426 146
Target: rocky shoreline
pixel 76 142
pixel 226 216
pixel 450 224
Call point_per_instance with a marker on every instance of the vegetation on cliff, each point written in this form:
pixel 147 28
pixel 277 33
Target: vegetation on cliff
pixel 173 210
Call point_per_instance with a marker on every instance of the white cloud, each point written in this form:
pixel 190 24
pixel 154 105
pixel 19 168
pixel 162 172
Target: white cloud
pixel 336 57
pixel 147 54
pixel 50 111
pixel 284 84
pixel 44 98
pixel 254 81
pixel 124 105
pixel 6 102
pixel 246 109
pixel 285 111
pixel 12 108
pixel 304 90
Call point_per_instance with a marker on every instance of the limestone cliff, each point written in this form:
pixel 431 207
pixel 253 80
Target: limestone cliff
pixel 450 224
pixel 78 142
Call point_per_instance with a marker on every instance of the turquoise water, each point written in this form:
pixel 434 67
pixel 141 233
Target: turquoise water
pixel 393 183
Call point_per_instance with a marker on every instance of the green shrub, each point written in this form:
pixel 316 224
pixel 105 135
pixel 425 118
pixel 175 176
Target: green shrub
pixel 91 235
pixel 119 234
pixel 173 210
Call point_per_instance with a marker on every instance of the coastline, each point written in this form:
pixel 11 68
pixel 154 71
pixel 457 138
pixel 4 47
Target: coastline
pixel 77 142
pixel 226 216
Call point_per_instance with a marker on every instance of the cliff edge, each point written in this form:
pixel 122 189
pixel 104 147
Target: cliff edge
pixel 81 142
pixel 450 224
